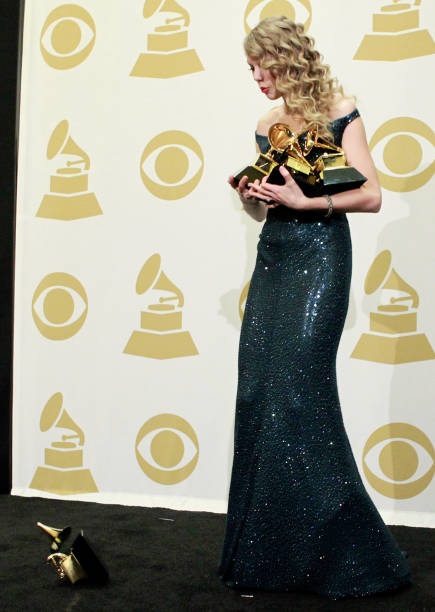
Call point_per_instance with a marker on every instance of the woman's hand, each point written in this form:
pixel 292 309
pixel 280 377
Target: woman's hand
pixel 289 194
pixel 255 207
pixel 245 191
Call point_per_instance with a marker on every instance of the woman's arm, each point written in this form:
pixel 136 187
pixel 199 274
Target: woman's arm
pixel 365 199
pixel 254 206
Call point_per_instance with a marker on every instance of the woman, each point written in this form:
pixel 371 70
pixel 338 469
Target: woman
pixel 298 514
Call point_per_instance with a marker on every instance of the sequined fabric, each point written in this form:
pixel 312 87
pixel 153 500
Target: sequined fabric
pixel 298 514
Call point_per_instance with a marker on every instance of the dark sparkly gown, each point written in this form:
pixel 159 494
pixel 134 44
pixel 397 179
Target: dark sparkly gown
pixel 299 516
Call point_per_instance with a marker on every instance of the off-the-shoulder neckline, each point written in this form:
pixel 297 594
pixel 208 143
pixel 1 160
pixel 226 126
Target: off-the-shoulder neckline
pixel 332 121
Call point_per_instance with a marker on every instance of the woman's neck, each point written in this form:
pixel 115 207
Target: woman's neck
pixel 296 123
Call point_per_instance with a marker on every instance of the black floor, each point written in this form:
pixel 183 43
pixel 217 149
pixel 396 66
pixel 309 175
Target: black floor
pixel 163 565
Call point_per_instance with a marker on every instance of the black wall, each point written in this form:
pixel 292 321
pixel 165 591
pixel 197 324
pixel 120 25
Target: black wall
pixel 10 34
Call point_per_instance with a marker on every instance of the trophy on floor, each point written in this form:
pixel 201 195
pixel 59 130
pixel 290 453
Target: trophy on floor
pixel 317 165
pixel 82 562
pixel 393 336
pixel 161 335
pixel 396 34
pixel 167 52
pixel 69 197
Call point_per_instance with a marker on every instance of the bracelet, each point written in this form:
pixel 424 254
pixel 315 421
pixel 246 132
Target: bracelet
pixel 330 206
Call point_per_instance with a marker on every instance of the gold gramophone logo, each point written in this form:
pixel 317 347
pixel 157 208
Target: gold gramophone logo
pixel 396 34
pixel 171 165
pixel 59 306
pixel 393 336
pixel 67 36
pixel 167 449
pixel 168 54
pixel 399 460
pixel 299 11
pixel 63 472
pixel 69 197
pixel 161 335
pixel 407 142
pixel 242 300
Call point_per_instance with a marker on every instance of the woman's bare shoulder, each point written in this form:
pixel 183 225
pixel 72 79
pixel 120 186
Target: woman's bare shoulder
pixel 341 107
pixel 267 120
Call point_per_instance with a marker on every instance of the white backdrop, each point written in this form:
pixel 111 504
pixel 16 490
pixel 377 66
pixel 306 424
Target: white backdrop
pixel 129 127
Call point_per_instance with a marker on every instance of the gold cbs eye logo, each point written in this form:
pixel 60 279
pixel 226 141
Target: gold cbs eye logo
pixel 67 36
pixel 171 165
pixel 167 449
pixel 403 166
pixel 299 11
pixel 399 460
pixel 59 306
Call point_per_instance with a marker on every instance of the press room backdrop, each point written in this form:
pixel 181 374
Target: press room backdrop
pixel 133 255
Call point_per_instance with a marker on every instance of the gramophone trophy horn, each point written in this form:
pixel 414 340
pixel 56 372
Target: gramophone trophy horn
pixel 69 197
pixel 382 275
pixel 393 336
pixel 161 335
pixel 52 416
pixel 61 143
pixel 165 284
pixel 394 281
pixel 57 536
pixel 167 52
pixel 166 6
pixel 148 274
pixel 63 472
pixel 51 412
pixel 150 277
pixel 66 422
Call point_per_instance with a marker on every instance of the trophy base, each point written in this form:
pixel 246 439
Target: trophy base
pixel 81 564
pixel 396 47
pixel 161 321
pixel 168 65
pixel 88 561
pixel 64 459
pixel 63 483
pixel 336 180
pixel 401 349
pixel 161 346
pixel 252 172
pixel 69 208
pixel 393 323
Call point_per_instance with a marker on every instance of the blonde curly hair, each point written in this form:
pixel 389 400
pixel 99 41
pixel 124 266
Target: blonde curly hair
pixel 302 78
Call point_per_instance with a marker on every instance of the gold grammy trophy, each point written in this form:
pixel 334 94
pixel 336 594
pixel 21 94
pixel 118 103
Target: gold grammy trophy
pixel 81 563
pixel 396 34
pixel 317 165
pixel 69 197
pixel 161 335
pixel 63 472
pixel 167 52
pixel 393 336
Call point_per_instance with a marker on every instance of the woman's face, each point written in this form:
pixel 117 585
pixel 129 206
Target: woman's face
pixel 264 78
